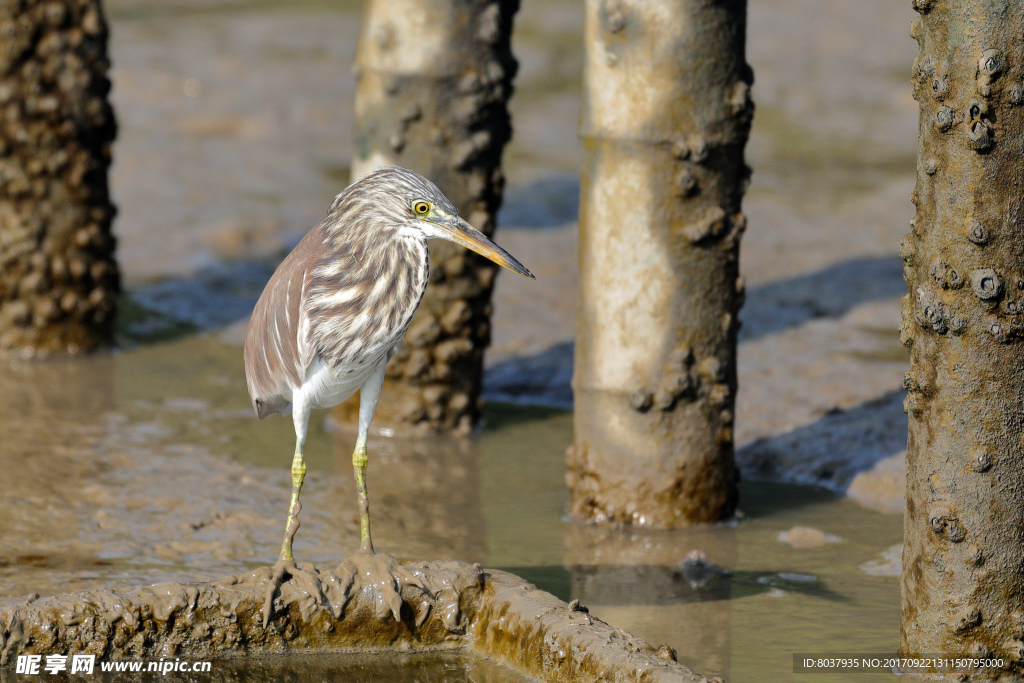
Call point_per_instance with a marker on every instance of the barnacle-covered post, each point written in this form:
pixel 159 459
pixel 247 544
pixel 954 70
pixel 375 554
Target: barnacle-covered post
pixel 666 115
pixel 434 79
pixel 58 277
pixel 963 557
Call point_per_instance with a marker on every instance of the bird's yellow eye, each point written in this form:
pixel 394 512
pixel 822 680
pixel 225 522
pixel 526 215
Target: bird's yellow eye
pixel 421 208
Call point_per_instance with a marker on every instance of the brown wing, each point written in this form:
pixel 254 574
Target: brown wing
pixel 273 362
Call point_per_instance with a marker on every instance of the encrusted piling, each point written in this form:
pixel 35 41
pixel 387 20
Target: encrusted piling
pixel 963 557
pixel 491 612
pixel 666 116
pixel 433 82
pixel 58 277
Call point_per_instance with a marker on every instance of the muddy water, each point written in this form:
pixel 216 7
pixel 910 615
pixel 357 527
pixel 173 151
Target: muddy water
pixel 148 466
pixel 358 668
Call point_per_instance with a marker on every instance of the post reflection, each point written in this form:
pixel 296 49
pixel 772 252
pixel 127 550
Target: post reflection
pixel 51 425
pixel 669 587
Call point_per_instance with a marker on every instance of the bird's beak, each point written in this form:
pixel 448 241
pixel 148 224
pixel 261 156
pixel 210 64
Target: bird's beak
pixel 465 234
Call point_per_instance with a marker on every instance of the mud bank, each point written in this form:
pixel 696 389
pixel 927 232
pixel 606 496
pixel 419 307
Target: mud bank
pixel 489 612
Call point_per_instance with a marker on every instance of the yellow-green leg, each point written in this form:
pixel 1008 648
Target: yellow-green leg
pixel 382 573
pixel 285 566
pixel 292 525
pixel 359 461
pixel 369 394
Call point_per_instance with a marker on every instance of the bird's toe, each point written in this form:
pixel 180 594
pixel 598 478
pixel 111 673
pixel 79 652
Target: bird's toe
pixel 281 570
pixel 307 586
pixel 385 577
pixel 413 580
pixel 308 580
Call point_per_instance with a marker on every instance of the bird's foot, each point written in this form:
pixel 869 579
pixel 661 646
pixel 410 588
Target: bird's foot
pixel 385 577
pixel 315 588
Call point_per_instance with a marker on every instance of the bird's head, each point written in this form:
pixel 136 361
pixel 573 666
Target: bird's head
pixel 403 199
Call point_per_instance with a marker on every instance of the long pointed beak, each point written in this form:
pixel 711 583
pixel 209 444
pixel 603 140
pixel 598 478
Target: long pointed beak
pixel 465 234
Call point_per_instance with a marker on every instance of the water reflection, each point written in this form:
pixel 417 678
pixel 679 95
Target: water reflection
pixel 627 575
pixel 434 667
pixel 51 423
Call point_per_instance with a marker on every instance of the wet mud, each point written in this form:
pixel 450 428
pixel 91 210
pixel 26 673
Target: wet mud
pixel 492 613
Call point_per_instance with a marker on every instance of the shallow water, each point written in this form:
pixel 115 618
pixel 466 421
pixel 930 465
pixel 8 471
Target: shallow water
pixel 148 466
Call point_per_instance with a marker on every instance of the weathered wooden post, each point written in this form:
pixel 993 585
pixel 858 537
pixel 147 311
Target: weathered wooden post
pixel 434 80
pixel 58 277
pixel 963 557
pixel 666 116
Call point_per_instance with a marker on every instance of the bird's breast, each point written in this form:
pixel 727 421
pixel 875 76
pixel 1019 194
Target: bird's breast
pixel 360 304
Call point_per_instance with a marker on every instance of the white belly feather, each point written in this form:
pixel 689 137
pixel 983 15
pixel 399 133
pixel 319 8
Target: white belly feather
pixel 323 387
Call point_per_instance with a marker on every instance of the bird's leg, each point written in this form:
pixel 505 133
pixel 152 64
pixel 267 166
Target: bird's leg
pixel 292 525
pixel 359 461
pixel 385 575
pixel 285 566
pixel 369 395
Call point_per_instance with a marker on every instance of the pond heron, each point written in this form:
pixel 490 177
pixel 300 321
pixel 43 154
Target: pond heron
pixel 333 314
